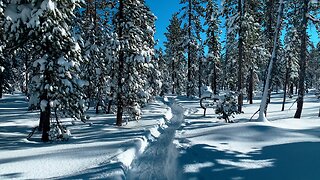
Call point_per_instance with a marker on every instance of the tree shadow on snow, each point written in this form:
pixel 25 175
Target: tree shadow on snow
pixel 294 161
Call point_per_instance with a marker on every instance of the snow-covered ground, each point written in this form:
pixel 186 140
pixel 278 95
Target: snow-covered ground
pixel 188 146
pixel 285 148
pixel 101 150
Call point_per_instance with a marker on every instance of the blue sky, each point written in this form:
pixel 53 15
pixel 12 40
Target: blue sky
pixel 164 9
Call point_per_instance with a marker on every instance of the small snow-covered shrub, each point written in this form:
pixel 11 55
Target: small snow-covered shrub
pixel 59 133
pixel 227 106
pixel 133 112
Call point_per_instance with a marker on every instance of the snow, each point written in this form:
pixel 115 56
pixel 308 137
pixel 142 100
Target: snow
pixel 172 140
pixel 97 149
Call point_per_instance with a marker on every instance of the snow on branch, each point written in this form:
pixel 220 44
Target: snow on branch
pixel 312 18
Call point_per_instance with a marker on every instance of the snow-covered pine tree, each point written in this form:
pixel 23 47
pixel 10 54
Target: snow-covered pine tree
pixel 2 44
pixel 192 12
pixel 309 10
pixel 95 32
pixel 291 59
pixel 255 53
pixel 263 104
pixel 269 25
pixel 234 12
pixel 303 55
pixel 229 12
pixel 134 25
pixel 164 67
pixel 314 68
pixel 212 42
pixel 175 55
pixel 55 83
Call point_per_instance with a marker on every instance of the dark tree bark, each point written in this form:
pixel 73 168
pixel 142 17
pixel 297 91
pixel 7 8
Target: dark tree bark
pixel 109 106
pixel 214 79
pixel 200 77
pixel 291 89
pixel 189 50
pixel 45 114
pixel 240 58
pixel 45 122
pixel 250 89
pixel 173 77
pixel 285 86
pixel 121 68
pixel 97 107
pixel 303 58
pixel 1 83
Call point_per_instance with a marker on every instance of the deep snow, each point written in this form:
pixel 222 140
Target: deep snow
pixel 173 140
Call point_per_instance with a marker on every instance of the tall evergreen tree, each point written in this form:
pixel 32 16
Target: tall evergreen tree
pixel 175 55
pixel 303 56
pixel 164 67
pixel 213 43
pixel 55 84
pixel 134 25
pixel 2 44
pixel 229 12
pixel 94 30
pixel 192 12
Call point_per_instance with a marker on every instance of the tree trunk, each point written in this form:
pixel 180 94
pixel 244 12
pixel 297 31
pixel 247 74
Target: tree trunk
pixel 173 77
pixel 26 75
pixel 285 86
pixel 250 94
pixel 266 87
pixel 1 83
pixel 303 59
pixel 200 81
pixel 291 89
pixel 189 91
pixel 44 124
pixel 319 113
pixel 240 58
pixel 121 69
pixel 214 79
pixel 97 107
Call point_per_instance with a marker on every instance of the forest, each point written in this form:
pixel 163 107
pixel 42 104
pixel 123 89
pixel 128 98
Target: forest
pixel 76 59
pixel 66 56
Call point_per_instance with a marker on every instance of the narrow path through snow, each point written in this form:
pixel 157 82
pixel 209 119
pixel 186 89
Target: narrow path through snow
pixel 159 161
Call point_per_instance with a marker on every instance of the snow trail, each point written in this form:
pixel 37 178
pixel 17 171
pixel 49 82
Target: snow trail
pixel 159 161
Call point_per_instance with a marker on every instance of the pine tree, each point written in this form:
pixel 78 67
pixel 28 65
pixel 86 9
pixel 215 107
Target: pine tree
pixel 263 104
pixel 175 55
pixel 314 67
pixel 164 67
pixel 229 12
pixel 95 30
pixel 192 12
pixel 303 57
pixel 240 55
pixel 291 59
pixel 255 52
pixel 2 44
pixel 212 41
pixel 134 25
pixel 55 84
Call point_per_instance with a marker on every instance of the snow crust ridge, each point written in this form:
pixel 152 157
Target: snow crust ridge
pixel 126 158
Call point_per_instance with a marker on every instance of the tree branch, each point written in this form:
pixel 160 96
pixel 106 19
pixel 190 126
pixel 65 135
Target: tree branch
pixel 313 19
